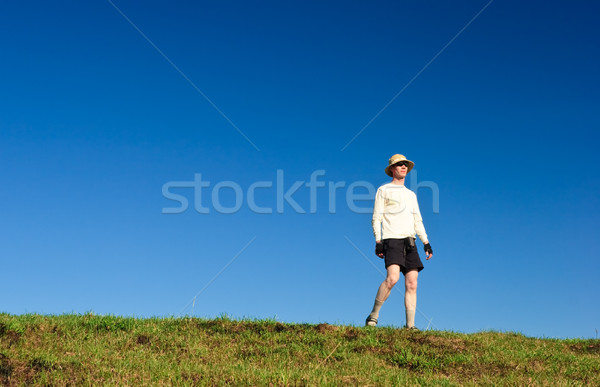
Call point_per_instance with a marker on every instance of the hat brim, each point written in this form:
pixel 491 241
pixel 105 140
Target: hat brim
pixel 389 173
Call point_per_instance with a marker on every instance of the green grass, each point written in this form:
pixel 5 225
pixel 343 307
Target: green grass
pixel 109 350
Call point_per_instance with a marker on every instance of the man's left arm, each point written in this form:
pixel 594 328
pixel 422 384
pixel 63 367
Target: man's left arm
pixel 420 230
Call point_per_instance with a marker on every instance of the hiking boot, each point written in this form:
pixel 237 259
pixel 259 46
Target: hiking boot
pixel 371 322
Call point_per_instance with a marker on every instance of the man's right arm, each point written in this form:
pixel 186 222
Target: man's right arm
pixel 378 215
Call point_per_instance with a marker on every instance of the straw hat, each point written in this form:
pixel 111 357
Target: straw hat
pixel 396 159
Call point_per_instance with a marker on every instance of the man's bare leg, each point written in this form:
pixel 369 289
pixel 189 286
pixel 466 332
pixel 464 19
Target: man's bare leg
pixel 410 297
pixel 393 275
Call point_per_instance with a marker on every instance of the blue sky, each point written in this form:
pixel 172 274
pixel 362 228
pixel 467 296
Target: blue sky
pixel 503 124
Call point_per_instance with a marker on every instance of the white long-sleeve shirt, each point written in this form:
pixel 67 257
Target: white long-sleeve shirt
pixel 396 214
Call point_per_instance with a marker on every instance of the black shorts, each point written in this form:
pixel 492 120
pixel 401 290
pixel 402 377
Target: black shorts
pixel 394 253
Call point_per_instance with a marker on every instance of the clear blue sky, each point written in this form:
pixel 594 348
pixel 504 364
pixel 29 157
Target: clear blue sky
pixel 94 121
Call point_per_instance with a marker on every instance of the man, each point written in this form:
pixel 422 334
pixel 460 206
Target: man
pixel 396 220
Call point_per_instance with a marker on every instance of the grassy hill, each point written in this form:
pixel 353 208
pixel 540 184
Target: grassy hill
pixel 109 350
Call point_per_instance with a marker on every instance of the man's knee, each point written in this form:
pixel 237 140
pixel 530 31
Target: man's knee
pixel 391 280
pixel 411 285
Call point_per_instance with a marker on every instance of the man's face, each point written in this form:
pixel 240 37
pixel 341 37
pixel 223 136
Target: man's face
pixel 400 169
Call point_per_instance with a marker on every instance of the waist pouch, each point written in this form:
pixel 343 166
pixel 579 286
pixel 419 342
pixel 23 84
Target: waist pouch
pixel 409 245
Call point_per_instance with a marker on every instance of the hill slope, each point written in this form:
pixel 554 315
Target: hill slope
pixel 92 350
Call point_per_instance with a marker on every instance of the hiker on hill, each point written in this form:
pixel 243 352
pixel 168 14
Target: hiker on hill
pixel 396 221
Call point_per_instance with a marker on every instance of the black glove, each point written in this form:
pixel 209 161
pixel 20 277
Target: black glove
pixel 378 249
pixel 428 249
